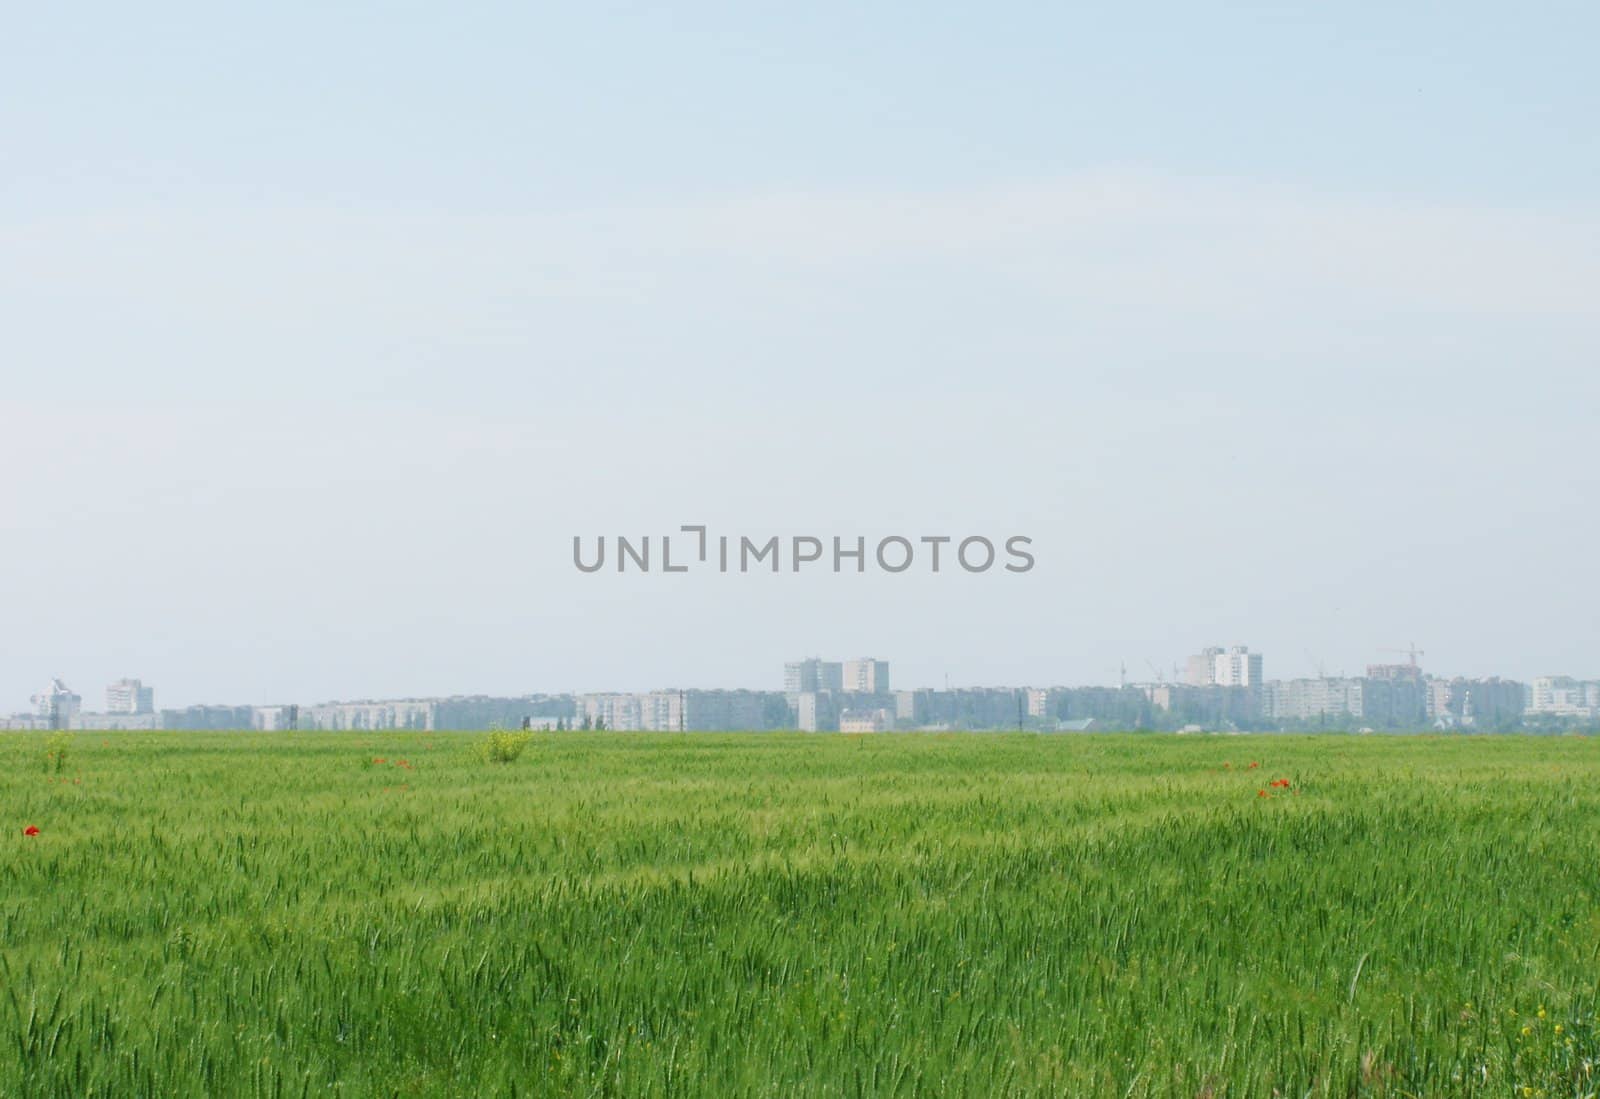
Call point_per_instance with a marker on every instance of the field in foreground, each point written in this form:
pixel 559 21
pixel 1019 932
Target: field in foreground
pixel 619 914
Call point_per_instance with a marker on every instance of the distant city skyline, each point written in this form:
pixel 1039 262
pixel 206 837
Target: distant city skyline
pixel 1217 688
pixel 1135 670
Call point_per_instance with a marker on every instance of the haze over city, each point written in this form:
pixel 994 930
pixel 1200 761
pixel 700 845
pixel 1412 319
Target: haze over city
pixel 325 332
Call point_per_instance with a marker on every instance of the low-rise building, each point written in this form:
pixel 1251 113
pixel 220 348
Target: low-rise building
pixel 420 714
pixel 274 719
pixel 228 718
pixel 116 721
pixel 880 720
pixel 683 710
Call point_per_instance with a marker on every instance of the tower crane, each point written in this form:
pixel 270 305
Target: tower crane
pixel 1411 652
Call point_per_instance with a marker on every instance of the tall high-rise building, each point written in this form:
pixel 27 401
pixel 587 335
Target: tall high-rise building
pixel 130 696
pixel 57 705
pixel 867 675
pixel 800 676
pixel 1216 667
pixel 1238 667
pixel 1201 668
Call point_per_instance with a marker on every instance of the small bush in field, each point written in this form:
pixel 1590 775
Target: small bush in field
pixel 504 747
pixel 55 752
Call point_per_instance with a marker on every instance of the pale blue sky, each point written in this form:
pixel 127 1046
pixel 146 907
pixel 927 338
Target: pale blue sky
pixel 322 331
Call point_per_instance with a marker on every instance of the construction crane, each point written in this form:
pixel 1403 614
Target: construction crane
pixel 1322 668
pixel 1161 676
pixel 1412 653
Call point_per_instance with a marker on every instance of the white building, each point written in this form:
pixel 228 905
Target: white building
pixel 866 676
pixel 812 674
pixel 1563 696
pixel 1201 668
pixel 56 706
pixel 866 721
pixel 814 711
pixel 1322 698
pixel 616 711
pixel 1216 667
pixel 119 722
pixel 421 714
pixel 274 719
pixel 130 696
pixel 1038 702
pixel 1238 667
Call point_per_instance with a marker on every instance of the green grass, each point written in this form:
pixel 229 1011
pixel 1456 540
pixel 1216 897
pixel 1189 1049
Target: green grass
pixel 637 915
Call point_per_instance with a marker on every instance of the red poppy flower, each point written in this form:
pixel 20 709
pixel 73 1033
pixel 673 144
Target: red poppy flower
pixel 1262 794
pixel 1254 765
pixel 31 830
pixel 379 759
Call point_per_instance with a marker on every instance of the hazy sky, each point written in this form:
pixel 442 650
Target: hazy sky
pixel 324 328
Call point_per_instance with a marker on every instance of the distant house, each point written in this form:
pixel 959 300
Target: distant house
pixel 866 721
pixel 1082 725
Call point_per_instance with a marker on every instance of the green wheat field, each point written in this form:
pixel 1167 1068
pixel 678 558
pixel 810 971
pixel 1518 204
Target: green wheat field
pixel 298 914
